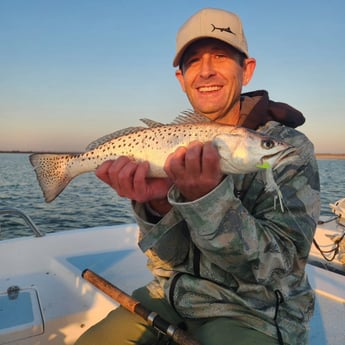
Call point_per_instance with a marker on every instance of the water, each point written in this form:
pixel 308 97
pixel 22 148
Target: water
pixel 88 202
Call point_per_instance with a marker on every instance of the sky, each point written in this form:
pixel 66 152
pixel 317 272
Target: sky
pixel 72 71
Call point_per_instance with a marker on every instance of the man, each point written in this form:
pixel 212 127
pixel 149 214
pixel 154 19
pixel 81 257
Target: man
pixel 228 263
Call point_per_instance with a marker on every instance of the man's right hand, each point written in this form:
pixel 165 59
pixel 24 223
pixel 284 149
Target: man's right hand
pixel 129 179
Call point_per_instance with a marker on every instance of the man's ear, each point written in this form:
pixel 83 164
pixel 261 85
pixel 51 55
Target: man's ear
pixel 179 76
pixel 248 70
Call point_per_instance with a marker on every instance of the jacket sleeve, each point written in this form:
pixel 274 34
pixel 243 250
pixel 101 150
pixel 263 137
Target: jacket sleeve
pixel 166 243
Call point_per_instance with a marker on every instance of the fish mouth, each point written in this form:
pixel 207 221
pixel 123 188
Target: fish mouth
pixel 275 160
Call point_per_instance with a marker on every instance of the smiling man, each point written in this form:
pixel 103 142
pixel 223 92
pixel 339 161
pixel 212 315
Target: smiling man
pixel 228 264
pixel 212 75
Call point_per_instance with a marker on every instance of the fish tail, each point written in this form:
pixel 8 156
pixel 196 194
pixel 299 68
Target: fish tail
pixel 52 172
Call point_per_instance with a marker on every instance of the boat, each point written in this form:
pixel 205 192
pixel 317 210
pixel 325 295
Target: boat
pixel 45 300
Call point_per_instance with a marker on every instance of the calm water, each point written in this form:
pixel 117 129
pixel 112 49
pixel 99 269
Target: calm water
pixel 87 202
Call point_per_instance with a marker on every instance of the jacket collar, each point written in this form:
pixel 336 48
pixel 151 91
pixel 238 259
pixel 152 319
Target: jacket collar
pixel 257 109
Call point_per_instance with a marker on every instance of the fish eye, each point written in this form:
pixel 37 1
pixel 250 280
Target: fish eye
pixel 267 144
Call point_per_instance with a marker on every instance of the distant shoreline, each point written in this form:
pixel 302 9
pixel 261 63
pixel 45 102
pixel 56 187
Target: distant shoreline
pixel 318 155
pixel 330 155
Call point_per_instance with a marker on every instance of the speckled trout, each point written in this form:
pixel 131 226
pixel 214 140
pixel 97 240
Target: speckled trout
pixel 241 150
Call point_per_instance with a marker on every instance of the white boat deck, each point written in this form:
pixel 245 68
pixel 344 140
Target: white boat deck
pixel 54 305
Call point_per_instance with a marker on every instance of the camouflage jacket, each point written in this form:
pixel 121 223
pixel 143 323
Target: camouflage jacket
pixel 233 252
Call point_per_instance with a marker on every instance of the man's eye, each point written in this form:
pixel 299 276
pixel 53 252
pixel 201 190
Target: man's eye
pixel 192 60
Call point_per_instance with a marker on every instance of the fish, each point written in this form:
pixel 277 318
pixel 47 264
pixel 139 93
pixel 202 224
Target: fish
pixel 241 150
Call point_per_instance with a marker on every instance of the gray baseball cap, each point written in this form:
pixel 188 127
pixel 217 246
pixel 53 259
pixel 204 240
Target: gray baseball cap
pixel 211 23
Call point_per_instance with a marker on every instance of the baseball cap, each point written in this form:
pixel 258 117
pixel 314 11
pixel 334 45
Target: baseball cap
pixel 212 23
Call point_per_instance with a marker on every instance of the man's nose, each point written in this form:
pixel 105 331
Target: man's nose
pixel 206 67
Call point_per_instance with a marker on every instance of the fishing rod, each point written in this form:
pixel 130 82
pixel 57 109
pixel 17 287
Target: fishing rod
pixel 177 334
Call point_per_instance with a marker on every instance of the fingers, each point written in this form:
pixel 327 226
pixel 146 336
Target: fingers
pixel 129 179
pixel 194 169
pixel 122 174
pixel 102 172
pixel 139 176
pixel 196 159
pixel 210 160
pixel 175 163
pixel 111 172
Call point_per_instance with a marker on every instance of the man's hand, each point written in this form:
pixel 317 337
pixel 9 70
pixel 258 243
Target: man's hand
pixel 129 179
pixel 194 169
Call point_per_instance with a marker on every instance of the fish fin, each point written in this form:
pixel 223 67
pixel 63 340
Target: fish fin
pixel 186 117
pixel 151 123
pixel 52 172
pixel 102 140
pixel 190 116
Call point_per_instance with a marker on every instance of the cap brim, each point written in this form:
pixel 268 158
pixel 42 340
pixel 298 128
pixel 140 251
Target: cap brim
pixel 179 55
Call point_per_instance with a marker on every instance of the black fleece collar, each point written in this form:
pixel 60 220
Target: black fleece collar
pixel 257 109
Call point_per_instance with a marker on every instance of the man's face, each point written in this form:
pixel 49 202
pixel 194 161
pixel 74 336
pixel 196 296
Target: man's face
pixel 212 78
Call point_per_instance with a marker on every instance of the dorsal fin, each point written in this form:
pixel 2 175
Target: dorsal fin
pixel 189 116
pixel 151 123
pixel 186 117
pixel 125 131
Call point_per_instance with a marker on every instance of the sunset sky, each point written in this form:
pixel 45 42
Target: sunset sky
pixel 74 70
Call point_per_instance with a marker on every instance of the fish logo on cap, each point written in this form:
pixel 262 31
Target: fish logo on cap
pixel 223 29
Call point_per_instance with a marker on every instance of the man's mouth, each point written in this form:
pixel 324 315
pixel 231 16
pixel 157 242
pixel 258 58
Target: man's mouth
pixel 209 88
